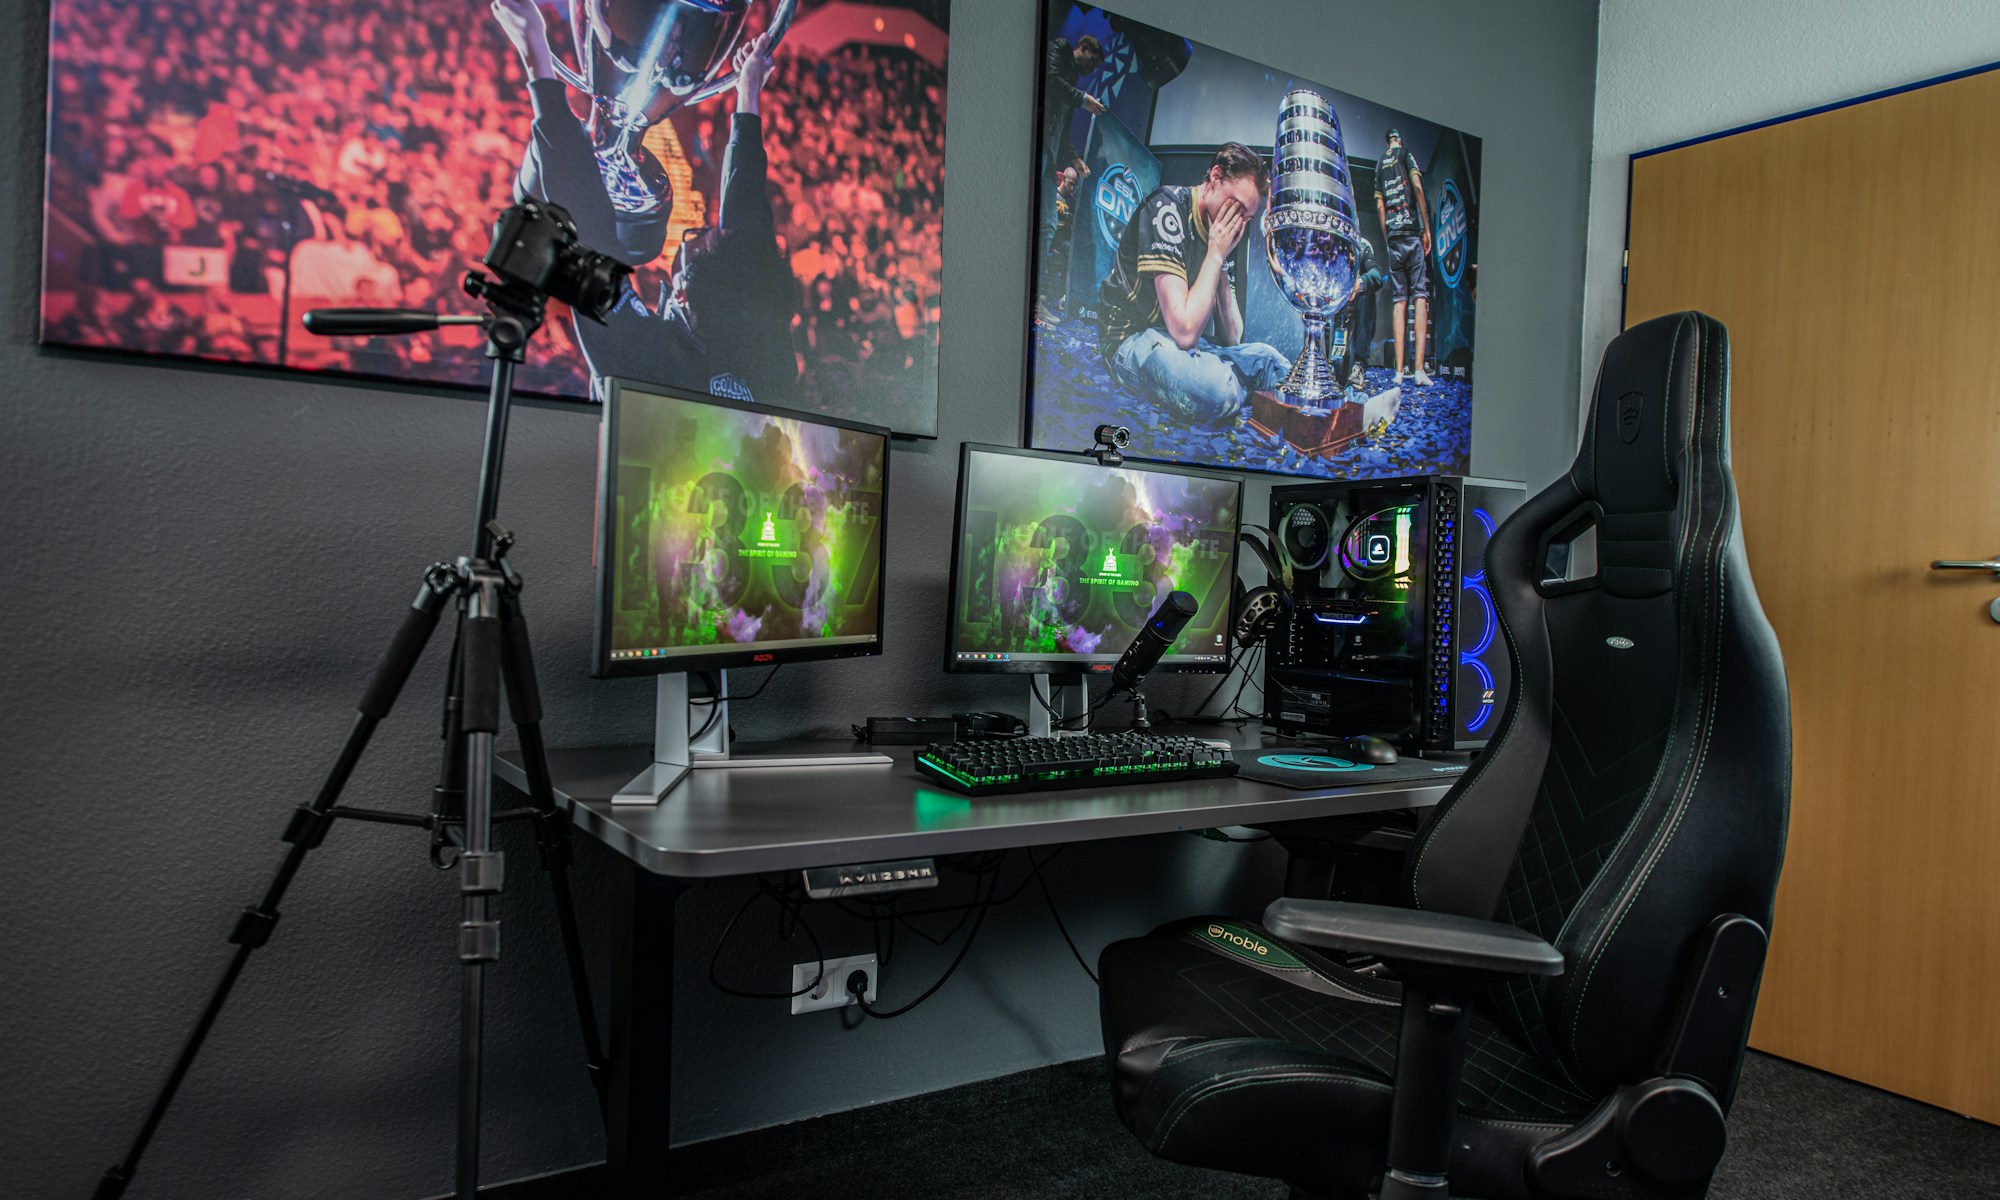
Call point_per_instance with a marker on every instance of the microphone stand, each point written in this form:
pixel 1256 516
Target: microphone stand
pixel 490 650
pixel 1140 722
pixel 1154 639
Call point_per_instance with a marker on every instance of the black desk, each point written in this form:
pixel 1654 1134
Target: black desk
pixel 722 822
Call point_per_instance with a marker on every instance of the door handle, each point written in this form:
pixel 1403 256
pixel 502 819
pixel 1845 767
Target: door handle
pixel 1959 564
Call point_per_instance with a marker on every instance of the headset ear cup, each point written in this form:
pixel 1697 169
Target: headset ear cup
pixel 1256 613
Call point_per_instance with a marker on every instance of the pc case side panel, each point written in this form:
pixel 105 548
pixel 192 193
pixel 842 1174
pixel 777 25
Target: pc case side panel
pixel 1347 656
pixel 1482 676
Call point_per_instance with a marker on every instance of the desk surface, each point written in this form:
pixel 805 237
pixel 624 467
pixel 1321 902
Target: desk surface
pixel 722 821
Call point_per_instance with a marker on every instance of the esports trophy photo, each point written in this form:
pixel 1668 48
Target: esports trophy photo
pixel 639 61
pixel 1310 240
pixel 1292 296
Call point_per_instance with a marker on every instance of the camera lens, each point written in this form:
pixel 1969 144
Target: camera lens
pixel 591 282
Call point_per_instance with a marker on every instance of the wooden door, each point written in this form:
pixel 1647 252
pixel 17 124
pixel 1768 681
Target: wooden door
pixel 1855 257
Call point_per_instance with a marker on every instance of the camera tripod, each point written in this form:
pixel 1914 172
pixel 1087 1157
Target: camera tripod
pixel 490 650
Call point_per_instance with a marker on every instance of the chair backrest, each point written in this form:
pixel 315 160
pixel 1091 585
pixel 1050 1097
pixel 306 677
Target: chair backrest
pixel 1643 765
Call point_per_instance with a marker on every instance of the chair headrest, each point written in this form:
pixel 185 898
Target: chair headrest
pixel 1658 379
pixel 1656 416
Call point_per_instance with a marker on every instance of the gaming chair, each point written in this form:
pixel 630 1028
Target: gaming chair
pixel 1568 985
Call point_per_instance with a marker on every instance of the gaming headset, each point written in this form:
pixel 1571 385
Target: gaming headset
pixel 1257 609
pixel 1304 543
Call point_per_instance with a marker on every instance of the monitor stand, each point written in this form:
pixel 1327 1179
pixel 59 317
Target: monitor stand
pixel 676 750
pixel 1067 694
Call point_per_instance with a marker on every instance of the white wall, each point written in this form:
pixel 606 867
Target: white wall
pixel 1674 69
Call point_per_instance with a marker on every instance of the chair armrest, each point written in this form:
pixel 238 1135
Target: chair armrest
pixel 1461 947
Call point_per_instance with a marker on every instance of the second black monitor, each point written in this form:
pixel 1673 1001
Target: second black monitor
pixel 1057 561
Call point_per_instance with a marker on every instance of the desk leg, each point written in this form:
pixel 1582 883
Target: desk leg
pixel 642 1035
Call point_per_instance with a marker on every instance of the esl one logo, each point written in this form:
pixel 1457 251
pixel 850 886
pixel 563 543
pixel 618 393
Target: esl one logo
pixel 1251 944
pixel 1453 224
pixel 1117 200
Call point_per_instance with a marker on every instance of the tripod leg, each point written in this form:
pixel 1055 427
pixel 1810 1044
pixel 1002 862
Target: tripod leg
pixel 448 797
pixel 524 702
pixel 307 830
pixel 481 867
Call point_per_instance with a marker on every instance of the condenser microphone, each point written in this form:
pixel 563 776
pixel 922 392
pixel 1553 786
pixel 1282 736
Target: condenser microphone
pixel 1159 633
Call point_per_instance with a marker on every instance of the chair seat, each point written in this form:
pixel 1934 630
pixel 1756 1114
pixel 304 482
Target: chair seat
pixel 1232 1049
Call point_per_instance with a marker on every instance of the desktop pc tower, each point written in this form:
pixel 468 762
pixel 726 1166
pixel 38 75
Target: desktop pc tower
pixel 1388 627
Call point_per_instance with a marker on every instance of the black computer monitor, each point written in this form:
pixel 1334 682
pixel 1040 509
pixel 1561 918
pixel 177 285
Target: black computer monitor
pixel 1057 561
pixel 732 535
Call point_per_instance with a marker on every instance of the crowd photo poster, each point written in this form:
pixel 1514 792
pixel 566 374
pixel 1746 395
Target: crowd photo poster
pixel 773 169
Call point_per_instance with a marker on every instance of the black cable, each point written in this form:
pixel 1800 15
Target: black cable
pixel 860 994
pixel 1235 665
pixel 1236 701
pixel 989 865
pixel 714 959
pixel 714 709
pixel 1060 927
pixel 892 933
pixel 875 928
pixel 761 686
pixel 895 918
pixel 1062 722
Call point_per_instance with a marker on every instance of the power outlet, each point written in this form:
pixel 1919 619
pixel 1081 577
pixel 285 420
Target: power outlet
pixel 832 989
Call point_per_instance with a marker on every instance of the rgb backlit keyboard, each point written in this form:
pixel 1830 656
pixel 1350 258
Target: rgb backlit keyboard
pixel 1040 764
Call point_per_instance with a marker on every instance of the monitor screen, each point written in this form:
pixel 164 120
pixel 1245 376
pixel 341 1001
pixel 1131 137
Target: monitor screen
pixel 1058 561
pixel 734 534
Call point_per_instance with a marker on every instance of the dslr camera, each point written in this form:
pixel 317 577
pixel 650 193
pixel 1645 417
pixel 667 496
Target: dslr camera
pixel 535 248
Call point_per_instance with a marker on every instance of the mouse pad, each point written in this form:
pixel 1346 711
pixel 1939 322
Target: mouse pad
pixel 1313 767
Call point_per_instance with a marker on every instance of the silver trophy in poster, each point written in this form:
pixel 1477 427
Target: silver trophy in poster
pixel 638 61
pixel 1310 235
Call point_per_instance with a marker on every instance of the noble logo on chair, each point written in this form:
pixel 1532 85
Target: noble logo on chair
pixel 1566 993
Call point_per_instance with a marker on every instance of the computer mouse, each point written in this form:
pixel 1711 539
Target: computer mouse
pixel 1366 749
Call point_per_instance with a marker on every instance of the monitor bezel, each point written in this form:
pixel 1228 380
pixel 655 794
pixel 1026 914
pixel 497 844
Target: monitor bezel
pixel 603 666
pixel 1063 665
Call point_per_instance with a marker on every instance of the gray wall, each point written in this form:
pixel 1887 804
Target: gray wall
pixel 1680 70
pixel 204 564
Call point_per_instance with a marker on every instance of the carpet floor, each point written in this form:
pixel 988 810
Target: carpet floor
pixel 1050 1134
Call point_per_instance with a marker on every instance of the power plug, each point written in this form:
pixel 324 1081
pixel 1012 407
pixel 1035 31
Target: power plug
pixel 832 989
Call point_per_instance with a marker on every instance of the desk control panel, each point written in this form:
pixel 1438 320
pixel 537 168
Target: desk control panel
pixel 870 879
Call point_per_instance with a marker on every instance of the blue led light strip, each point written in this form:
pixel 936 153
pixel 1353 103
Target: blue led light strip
pixel 1475 585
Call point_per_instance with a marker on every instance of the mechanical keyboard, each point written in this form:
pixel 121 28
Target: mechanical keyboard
pixel 1039 764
